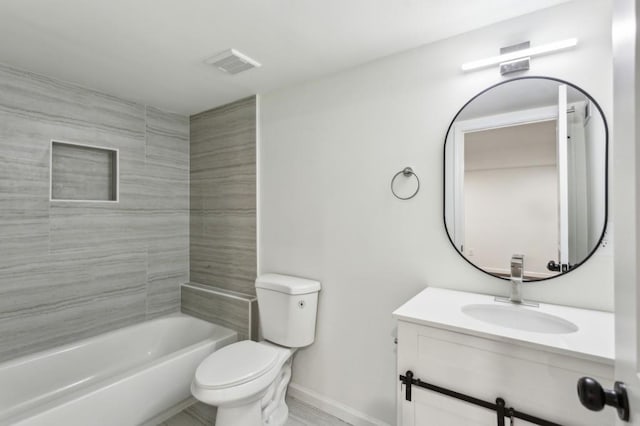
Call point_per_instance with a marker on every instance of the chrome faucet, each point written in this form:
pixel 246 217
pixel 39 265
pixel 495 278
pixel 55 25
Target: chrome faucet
pixel 517 274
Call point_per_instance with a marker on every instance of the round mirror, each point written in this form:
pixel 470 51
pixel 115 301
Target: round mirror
pixel 525 174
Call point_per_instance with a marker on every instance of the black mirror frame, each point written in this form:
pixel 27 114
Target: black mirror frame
pixel 606 174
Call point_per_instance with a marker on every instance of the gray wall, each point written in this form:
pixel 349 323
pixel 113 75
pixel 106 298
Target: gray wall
pixel 223 218
pixel 74 269
pixel 223 197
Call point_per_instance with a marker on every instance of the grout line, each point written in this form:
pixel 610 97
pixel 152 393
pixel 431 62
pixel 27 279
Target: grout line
pixel 147 289
pixel 188 200
pixel 258 144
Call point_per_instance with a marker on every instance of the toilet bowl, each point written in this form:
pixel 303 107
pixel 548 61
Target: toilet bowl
pixel 248 380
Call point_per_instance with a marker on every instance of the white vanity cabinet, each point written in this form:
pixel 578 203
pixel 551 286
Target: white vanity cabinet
pixel 444 347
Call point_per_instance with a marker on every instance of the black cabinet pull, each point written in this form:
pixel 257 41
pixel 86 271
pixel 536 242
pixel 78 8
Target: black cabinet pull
pixel 594 397
pixel 500 406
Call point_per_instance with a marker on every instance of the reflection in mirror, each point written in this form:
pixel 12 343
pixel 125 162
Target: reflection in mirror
pixel 526 173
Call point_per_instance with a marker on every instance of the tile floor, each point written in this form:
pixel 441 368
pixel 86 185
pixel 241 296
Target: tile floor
pixel 301 414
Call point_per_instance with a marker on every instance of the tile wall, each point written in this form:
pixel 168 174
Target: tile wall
pixel 69 270
pixel 223 218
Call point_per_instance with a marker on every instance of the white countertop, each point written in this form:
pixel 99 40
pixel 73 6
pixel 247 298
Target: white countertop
pixel 441 308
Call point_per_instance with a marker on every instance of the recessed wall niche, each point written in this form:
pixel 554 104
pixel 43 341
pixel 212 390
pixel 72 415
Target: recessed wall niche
pixel 83 172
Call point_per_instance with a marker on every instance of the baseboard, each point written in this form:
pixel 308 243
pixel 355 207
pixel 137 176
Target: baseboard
pixel 335 408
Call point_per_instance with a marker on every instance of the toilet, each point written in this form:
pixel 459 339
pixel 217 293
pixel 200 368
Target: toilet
pixel 248 380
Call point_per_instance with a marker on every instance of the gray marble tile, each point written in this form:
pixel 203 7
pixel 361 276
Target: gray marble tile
pixel 24 158
pixel 231 126
pixel 223 254
pixel 166 195
pixel 167 261
pixel 222 162
pixel 166 229
pixel 167 161
pixel 163 296
pixel 64 301
pixel 58 300
pixel 232 195
pixel 219 306
pixel 167 269
pixel 41 283
pixel 45 99
pixel 24 192
pixel 47 329
pixel 254 322
pixel 223 197
pixel 196 224
pixel 170 260
pixel 42 301
pixel 208 264
pixel 77 228
pixel 167 139
pixel 160 188
pixel 72 270
pixel 24 232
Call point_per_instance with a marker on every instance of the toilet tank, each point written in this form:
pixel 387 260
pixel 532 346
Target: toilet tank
pixel 288 307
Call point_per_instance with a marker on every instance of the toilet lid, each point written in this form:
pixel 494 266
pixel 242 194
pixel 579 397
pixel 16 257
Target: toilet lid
pixel 235 364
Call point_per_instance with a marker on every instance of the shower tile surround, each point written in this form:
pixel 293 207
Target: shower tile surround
pixel 223 218
pixel 236 311
pixel 187 187
pixel 73 269
pixel 223 197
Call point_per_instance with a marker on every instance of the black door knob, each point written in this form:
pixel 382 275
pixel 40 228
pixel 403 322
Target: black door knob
pixel 553 266
pixel 594 397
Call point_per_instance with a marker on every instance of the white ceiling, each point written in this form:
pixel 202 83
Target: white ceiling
pixel 152 51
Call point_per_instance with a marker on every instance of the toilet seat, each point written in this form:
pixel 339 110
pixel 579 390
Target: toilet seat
pixel 236 364
pixel 224 378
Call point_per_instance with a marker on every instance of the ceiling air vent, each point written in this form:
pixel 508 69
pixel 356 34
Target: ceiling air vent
pixel 232 62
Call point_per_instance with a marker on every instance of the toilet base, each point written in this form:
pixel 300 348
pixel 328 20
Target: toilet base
pixel 275 411
pixel 270 410
pixel 245 415
pixel 279 416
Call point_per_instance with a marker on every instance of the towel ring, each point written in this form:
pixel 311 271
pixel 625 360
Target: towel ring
pixel 407 172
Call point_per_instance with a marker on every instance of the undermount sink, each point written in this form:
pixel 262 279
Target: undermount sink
pixel 519 318
pixel 567 330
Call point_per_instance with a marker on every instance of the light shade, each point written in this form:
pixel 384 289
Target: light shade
pixel 531 51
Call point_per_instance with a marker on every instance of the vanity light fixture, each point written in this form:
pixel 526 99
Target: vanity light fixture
pixel 516 58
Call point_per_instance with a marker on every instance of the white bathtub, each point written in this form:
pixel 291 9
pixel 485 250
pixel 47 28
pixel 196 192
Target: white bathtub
pixel 124 377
